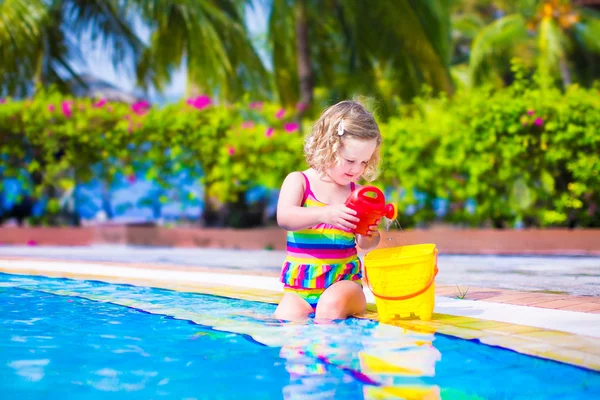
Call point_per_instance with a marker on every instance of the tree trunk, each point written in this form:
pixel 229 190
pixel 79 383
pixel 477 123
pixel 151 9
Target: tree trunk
pixel 564 72
pixel 38 77
pixel 305 71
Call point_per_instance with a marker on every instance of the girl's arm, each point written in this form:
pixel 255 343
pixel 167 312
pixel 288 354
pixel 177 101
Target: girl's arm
pixel 292 216
pixel 370 241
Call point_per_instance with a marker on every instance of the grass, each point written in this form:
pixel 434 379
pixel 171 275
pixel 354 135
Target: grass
pixel 461 294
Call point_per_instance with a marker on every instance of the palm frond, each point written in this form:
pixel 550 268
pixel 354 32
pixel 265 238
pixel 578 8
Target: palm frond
pixel 212 39
pixel 107 21
pixel 467 25
pixel 587 34
pixel 410 54
pixel 494 41
pixel 22 23
pixel 527 8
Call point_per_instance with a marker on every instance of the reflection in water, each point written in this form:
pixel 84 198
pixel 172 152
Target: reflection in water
pixel 389 361
pixel 361 358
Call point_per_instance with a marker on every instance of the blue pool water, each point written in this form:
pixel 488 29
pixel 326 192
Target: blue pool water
pixel 80 339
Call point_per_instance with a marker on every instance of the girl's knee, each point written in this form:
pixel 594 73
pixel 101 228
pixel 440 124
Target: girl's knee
pixel 292 308
pixel 332 303
pixel 337 304
pixel 290 315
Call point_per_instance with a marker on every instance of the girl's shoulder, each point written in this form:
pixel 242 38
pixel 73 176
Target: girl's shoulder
pixel 296 178
pixel 294 188
pixel 300 176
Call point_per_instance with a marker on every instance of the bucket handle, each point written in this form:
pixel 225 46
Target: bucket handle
pixel 406 296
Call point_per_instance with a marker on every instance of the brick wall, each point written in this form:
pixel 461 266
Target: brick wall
pixel 448 240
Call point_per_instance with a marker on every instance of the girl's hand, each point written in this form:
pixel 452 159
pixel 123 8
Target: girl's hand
pixel 373 229
pixel 369 241
pixel 339 216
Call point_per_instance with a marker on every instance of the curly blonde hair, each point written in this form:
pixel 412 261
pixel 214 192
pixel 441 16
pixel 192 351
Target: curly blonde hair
pixel 322 145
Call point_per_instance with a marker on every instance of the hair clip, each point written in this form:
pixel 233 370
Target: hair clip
pixel 341 128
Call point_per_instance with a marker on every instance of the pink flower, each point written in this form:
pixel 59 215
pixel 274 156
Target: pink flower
pixel 100 103
pixel 31 243
pixel 538 122
pixel 131 179
pixel 291 127
pixel 530 112
pixel 2 101
pixel 257 105
pixel 51 107
pixel 247 124
pixel 269 132
pixel 141 107
pixel 301 107
pixel 67 109
pixel 280 114
pixel 231 150
pixel 199 102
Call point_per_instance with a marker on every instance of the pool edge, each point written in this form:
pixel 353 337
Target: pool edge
pixel 570 348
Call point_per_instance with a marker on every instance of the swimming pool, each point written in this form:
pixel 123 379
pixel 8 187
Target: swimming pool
pixel 87 339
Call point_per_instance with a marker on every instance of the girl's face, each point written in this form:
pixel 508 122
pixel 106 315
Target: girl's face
pixel 354 154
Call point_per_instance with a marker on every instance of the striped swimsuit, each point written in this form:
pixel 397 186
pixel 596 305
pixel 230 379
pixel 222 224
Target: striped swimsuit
pixel 318 257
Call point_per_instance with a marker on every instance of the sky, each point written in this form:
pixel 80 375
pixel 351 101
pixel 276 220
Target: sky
pixel 98 64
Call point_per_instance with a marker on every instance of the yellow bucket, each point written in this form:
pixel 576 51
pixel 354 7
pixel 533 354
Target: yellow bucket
pixel 402 280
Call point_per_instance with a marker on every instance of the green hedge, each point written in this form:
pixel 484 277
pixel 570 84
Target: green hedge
pixel 523 155
pixel 520 155
pixel 58 140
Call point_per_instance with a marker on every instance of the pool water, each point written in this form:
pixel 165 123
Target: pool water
pixel 83 339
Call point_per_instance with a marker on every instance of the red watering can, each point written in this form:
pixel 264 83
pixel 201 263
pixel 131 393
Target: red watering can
pixel 369 209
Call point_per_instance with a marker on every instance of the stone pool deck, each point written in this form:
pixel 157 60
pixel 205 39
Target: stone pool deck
pixel 563 326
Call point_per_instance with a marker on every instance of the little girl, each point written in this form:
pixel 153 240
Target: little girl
pixel 322 271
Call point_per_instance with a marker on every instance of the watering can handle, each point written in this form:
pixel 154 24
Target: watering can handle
pixel 369 189
pixel 407 296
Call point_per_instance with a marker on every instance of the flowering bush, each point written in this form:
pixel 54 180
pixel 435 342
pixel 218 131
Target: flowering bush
pixel 61 142
pixel 509 157
pixel 516 156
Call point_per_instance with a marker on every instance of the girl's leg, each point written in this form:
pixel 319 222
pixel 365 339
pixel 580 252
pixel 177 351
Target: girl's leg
pixel 341 300
pixel 292 308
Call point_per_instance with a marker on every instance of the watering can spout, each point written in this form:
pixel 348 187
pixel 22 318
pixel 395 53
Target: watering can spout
pixel 391 212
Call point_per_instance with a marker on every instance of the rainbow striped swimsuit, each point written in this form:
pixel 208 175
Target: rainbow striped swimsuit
pixel 318 257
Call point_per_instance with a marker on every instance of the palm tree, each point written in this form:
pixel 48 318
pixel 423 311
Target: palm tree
pixel 39 39
pixel 554 33
pixel 210 38
pixel 385 48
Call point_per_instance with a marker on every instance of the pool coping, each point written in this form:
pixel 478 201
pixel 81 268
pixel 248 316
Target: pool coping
pixel 561 335
pixel 530 298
